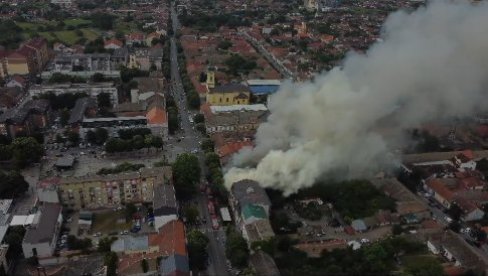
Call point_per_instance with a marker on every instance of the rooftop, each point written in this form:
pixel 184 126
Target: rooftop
pixel 229 88
pixel 233 108
pixel 249 192
pixel 43 231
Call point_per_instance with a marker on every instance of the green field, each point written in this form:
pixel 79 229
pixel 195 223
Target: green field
pixel 106 222
pixel 125 27
pixel 68 37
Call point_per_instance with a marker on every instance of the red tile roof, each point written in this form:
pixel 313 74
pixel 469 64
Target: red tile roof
pixel 232 147
pixel 438 187
pixel 114 41
pixel 156 115
pixel 170 239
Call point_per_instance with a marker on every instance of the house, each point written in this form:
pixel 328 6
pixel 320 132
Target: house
pixel 441 193
pixel 464 161
pixel 229 94
pixel 151 36
pixel 228 149
pixel 10 97
pixel 135 38
pixel 169 244
pixel 47 190
pixel 131 244
pixel 17 81
pixel 157 116
pixel 146 59
pixel 471 211
pixel 113 44
pixel 358 225
pixel 251 205
pixel 40 238
pixel 175 265
pixel 25 119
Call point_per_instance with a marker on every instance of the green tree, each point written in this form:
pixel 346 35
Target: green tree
pixel 197 249
pixel 105 243
pixel 13 184
pixel 99 77
pixel 144 265
pixel 103 100
pixel 130 210
pixel 91 137
pixel 425 267
pixel 73 137
pixel 26 150
pixel 236 249
pixel 14 238
pixel 111 260
pixel 199 118
pixel 64 116
pixel 190 213
pixel 208 145
pixel 186 174
pixel 101 135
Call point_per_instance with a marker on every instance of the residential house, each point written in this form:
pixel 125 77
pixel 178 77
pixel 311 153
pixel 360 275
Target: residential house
pixel 113 44
pixel 251 205
pixel 26 119
pixel 226 151
pixel 229 94
pixel 105 191
pixel 41 236
pixel 120 57
pixel 464 161
pixel 175 265
pixel 151 36
pixel 157 117
pixel 10 97
pixel 131 245
pixel 135 38
pixel 169 243
pixel 17 81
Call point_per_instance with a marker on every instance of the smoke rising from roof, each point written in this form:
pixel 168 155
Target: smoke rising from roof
pixel 431 64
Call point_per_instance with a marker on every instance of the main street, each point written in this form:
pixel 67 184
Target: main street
pixel 190 141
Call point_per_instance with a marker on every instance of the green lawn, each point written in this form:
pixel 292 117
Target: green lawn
pixel 106 222
pixel 70 37
pixel 125 27
pixel 75 22
pixel 32 26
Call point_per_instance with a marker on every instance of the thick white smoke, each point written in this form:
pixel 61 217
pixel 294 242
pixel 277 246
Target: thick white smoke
pixel 432 64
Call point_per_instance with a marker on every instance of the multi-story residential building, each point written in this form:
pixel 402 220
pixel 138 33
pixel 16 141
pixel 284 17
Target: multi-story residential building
pixel 83 65
pixel 41 53
pixel 144 58
pixel 105 191
pixel 40 238
pixel 229 94
pixel 91 89
pixel 234 118
pixel 25 119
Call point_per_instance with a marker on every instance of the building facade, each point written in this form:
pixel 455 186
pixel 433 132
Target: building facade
pixel 107 191
pixel 229 94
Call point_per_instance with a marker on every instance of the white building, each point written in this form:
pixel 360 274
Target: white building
pixel 92 89
pixel 40 238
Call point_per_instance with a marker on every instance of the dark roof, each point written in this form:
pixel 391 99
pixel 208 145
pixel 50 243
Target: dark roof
pixel 164 202
pixel 175 263
pixel 249 192
pixel 78 112
pixel 43 231
pixel 230 88
pixel 121 53
pixel 10 96
pixel 18 115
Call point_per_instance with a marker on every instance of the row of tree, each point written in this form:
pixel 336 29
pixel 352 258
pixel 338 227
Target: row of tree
pixel 21 151
pixel 137 142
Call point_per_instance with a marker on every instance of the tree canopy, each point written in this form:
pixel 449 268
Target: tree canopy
pixel 186 174
pixel 236 249
pixel 197 249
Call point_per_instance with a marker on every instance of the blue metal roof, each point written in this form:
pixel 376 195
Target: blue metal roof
pixel 174 262
pixel 263 89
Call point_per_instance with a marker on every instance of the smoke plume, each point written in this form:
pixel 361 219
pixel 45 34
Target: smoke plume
pixel 431 64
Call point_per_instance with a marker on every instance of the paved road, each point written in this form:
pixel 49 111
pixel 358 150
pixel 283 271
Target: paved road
pixel 217 260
